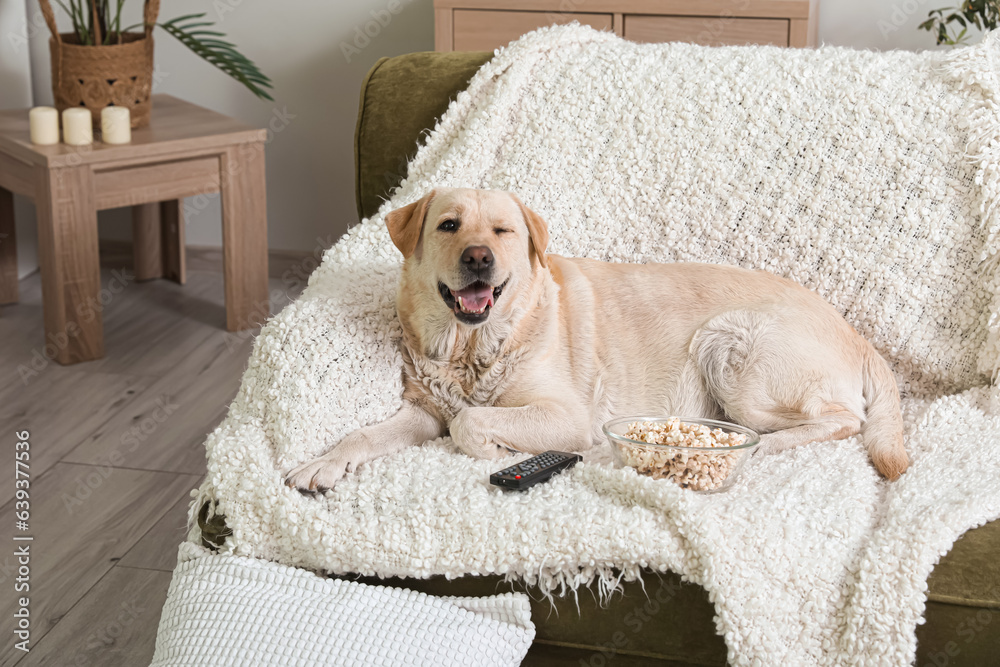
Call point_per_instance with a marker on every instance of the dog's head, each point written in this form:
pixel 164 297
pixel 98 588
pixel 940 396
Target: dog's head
pixel 466 247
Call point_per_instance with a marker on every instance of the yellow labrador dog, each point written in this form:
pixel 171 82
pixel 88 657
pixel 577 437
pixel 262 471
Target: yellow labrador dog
pixel 512 349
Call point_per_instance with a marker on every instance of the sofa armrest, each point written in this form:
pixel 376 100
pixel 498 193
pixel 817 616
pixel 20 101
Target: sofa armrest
pixel 401 98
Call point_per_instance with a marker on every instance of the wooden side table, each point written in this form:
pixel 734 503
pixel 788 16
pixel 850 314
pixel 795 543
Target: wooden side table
pixel 484 25
pixel 185 151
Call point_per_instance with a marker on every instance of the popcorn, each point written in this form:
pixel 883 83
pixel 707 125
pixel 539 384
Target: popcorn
pixel 689 469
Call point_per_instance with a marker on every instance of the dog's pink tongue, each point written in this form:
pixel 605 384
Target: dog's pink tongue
pixel 476 296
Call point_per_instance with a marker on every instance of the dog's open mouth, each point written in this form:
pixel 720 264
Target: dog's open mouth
pixel 472 303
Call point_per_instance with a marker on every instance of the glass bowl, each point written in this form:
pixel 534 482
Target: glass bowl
pixel 701 469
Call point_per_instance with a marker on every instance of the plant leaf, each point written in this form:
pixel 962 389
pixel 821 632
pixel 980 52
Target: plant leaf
pixel 220 53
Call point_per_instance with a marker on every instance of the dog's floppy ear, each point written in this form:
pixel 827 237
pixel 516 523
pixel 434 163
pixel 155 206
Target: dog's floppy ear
pixel 405 224
pixel 538 231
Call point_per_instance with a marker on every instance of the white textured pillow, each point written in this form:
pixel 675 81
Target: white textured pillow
pixel 224 611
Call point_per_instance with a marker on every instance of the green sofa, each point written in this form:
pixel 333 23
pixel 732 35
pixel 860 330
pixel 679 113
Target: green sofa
pixel 671 623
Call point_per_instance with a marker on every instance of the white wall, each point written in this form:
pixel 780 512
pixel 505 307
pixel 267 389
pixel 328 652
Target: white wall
pixel 316 52
pixel 15 93
pixel 877 24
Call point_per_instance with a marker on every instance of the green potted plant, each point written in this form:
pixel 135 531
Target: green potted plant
pixel 951 25
pixel 100 64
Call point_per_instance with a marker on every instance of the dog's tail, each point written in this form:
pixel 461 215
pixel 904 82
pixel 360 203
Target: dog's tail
pixel 883 429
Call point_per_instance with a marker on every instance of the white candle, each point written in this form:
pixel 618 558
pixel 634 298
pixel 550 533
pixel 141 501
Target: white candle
pixel 43 125
pixel 78 126
pixel 116 125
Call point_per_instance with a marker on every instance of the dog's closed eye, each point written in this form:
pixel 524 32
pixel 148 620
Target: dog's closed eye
pixel 501 230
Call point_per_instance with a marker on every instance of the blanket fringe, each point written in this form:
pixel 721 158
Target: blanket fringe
pixel 602 582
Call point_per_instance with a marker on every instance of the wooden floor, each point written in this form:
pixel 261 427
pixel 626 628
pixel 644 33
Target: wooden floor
pixel 116 448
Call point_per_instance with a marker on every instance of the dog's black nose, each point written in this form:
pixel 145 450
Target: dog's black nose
pixel 477 257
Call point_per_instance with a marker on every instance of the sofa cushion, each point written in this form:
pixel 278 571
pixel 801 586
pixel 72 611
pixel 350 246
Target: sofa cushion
pixel 969 575
pixel 401 98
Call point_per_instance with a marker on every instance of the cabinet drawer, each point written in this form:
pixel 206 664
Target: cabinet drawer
pixel 486 30
pixel 706 30
pixel 156 182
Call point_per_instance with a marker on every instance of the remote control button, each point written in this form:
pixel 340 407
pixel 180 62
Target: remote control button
pixel 517 477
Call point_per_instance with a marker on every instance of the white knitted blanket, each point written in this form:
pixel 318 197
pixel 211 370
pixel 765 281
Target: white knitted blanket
pixel 228 611
pixel 868 177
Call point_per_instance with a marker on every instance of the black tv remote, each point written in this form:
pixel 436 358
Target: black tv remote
pixel 537 469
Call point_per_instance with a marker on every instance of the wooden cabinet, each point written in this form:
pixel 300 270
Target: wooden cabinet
pixel 484 25
pixel 484 30
pixel 698 30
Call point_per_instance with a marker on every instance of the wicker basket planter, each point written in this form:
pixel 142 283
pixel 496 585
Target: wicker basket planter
pixel 119 74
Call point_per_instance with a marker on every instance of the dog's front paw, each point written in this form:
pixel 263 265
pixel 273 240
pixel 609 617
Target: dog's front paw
pixel 320 474
pixel 470 433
